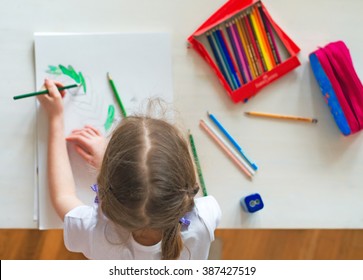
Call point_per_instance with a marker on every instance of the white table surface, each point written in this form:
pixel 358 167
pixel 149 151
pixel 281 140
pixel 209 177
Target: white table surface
pixel 310 175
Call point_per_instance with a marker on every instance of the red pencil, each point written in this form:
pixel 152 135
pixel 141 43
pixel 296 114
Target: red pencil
pixel 249 34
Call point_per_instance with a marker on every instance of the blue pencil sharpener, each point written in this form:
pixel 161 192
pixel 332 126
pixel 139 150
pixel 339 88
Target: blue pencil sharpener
pixel 252 203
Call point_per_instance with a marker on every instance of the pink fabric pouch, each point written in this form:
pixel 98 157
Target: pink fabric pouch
pixel 333 68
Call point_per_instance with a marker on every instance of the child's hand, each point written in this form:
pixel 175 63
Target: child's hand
pixel 89 144
pixel 52 102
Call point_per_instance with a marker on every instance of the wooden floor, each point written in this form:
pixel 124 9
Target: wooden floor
pixel 234 244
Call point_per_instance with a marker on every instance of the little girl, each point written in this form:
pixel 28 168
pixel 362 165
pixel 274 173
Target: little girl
pixel 146 190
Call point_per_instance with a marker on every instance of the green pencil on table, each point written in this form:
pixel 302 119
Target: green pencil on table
pixel 43 92
pixel 123 111
pixel 196 160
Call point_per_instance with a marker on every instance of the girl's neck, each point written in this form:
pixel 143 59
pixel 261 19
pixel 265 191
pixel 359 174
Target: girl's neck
pixel 147 237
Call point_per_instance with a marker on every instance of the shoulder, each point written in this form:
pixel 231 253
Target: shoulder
pixel 209 212
pixel 78 226
pixel 208 206
pixel 82 215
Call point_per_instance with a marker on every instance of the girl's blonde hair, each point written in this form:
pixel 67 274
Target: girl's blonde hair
pixel 147 179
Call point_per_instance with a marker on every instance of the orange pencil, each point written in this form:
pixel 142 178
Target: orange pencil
pixel 255 41
pixel 247 47
pixel 219 140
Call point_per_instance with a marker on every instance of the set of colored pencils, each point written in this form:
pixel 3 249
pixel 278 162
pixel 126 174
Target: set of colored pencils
pixel 245 46
pixel 230 147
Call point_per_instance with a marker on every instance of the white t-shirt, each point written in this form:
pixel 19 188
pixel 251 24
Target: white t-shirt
pixel 88 231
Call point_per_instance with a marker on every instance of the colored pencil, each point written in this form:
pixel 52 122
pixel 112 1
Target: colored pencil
pixel 233 142
pixel 252 39
pixel 237 53
pixel 43 92
pixel 261 29
pixel 270 35
pixel 118 98
pixel 229 56
pixel 222 60
pixel 246 47
pixel 256 37
pixel 246 37
pixel 242 49
pixel 197 163
pixel 285 117
pixel 225 55
pixel 225 147
pixel 216 56
pixel 262 52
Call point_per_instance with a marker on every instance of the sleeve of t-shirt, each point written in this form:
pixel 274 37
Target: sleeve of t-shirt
pixel 210 212
pixel 78 225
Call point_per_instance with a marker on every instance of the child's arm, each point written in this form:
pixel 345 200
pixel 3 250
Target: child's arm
pixel 60 177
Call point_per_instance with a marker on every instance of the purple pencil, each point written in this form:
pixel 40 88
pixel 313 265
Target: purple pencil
pixel 242 50
pixel 236 53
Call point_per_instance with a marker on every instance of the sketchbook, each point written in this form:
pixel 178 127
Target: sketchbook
pixel 140 66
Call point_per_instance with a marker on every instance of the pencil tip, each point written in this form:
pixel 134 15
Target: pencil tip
pixel 109 76
pixel 314 121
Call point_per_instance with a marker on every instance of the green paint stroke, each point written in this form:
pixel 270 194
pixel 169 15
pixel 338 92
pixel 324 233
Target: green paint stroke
pixel 110 117
pixel 55 70
pixel 70 72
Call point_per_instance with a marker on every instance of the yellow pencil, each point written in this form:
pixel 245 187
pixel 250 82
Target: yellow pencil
pixel 264 34
pixel 261 40
pixel 285 117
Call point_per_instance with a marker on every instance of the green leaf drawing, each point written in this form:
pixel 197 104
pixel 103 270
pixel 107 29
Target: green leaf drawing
pixel 70 72
pixel 110 117
pixel 54 70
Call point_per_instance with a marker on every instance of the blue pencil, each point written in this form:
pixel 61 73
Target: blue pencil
pixel 228 59
pixel 224 59
pixel 230 138
pixel 216 56
pixel 219 58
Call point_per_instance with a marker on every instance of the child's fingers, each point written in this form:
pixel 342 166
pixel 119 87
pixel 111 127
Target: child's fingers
pixel 87 131
pixel 52 88
pixel 91 131
pixel 95 130
pixel 76 131
pixel 80 140
pixel 82 132
pixel 86 156
pixel 42 97
pixel 59 84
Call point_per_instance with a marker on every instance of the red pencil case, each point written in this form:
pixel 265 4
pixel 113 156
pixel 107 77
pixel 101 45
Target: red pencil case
pixel 228 12
pixel 333 68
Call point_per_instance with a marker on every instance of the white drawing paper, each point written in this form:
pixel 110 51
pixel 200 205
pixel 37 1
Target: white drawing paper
pixel 140 65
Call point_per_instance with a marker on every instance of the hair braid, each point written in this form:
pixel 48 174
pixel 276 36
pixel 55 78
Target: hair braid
pixel 172 243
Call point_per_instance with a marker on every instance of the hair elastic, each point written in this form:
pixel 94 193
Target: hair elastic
pixel 94 187
pixel 184 221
